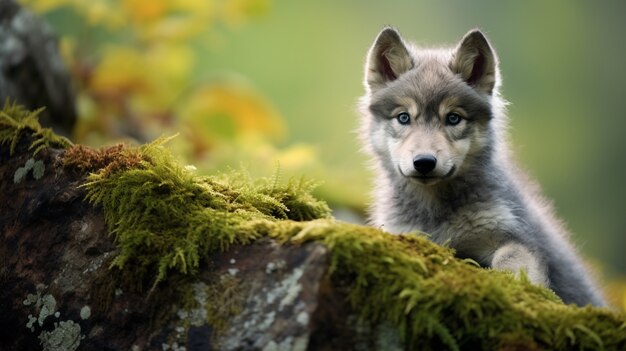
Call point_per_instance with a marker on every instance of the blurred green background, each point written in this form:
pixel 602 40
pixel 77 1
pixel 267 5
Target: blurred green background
pixel 562 65
pixel 563 70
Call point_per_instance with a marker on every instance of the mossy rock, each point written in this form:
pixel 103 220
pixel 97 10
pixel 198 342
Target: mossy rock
pixel 16 121
pixel 167 221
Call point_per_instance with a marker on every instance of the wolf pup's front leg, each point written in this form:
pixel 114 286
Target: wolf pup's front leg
pixel 516 257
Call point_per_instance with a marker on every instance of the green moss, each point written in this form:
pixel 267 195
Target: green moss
pixel 434 298
pixel 15 120
pixel 164 217
pixel 225 298
pixel 105 160
pixel 166 221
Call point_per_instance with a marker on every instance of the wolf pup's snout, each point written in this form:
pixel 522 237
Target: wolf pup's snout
pixel 424 164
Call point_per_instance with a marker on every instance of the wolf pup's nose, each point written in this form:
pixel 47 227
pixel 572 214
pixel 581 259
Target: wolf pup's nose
pixel 424 164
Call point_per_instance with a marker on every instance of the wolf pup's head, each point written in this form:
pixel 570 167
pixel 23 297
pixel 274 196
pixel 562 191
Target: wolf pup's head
pixel 427 113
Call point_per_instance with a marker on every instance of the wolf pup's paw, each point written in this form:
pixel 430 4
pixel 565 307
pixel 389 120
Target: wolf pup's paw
pixel 515 257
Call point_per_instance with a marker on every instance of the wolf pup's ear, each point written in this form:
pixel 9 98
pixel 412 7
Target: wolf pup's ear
pixel 387 59
pixel 475 61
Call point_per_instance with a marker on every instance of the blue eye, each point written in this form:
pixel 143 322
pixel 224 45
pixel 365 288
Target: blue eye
pixel 404 118
pixel 453 119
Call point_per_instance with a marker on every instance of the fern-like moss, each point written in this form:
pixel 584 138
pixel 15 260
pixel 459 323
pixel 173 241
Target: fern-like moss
pixel 166 220
pixel 440 302
pixel 164 217
pixel 15 120
pixel 105 160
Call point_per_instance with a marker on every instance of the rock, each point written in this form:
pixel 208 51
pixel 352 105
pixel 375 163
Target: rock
pixel 125 249
pixel 56 248
pixel 32 71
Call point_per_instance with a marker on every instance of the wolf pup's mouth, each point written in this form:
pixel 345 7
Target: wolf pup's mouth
pixel 429 179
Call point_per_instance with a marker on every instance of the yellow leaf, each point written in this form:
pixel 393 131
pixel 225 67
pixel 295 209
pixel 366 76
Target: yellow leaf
pixel 238 12
pixel 67 48
pixel 201 8
pixel 228 110
pixel 101 12
pixel 178 28
pixel 145 11
pixel 297 157
pixel 121 70
pixel 169 67
pixel 615 290
pixel 169 19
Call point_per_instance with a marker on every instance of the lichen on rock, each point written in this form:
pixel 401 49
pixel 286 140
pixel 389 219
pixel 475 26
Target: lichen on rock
pixel 44 305
pixel 406 281
pixel 85 312
pixel 169 222
pixel 64 337
pixel 37 167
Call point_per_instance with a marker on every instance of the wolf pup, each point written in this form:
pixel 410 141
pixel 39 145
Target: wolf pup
pixel 434 125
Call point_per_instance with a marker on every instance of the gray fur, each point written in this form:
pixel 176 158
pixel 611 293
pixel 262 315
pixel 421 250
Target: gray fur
pixel 476 200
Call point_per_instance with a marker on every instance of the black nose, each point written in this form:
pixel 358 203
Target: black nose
pixel 424 164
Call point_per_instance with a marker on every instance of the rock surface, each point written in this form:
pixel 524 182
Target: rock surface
pixel 32 71
pixel 315 284
pixel 55 251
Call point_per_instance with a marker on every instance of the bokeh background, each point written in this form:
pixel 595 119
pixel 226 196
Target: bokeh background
pixel 272 86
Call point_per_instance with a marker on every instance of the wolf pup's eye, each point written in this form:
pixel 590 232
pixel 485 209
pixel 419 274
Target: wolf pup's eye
pixel 404 118
pixel 453 119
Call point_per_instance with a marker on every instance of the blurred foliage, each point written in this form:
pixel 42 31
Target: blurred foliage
pixel 259 83
pixel 140 68
pixel 135 64
pixel 616 293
